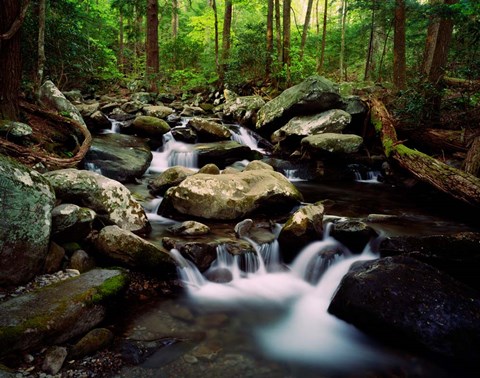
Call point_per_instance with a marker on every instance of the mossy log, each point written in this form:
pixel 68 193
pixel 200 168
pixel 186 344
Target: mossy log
pixel 50 128
pixel 458 184
pixel 461 83
pixel 472 161
pixel 446 141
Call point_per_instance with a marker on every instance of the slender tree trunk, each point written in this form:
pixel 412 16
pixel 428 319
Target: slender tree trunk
pixel 12 14
pixel 151 45
pixel 121 44
pixel 175 10
pixel 324 38
pixel 399 60
pixel 41 47
pixel 278 31
pixel 213 4
pixel 342 46
pixel 269 48
pixel 286 60
pixel 435 58
pixel 371 45
pixel 227 25
pixel 306 25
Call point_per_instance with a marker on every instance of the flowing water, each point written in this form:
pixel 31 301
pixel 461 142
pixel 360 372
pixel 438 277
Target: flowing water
pixel 262 318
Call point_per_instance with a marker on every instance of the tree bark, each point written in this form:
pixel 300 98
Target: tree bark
pixel 369 66
pixel 151 45
pixel 41 47
pixel 454 182
pixel 399 60
pixel 213 4
pixel 278 30
pixel 175 10
pixel 227 25
pixel 342 45
pixel 306 25
pixel 121 44
pixel 324 38
pixel 269 37
pixel 472 161
pixel 12 14
pixel 286 59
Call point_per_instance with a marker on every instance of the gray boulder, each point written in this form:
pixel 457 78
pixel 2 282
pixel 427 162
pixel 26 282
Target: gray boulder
pixel 150 126
pixel 353 233
pixel 26 203
pixel 128 249
pixel 189 228
pixel 87 109
pixel 243 109
pixel 15 130
pixel 71 223
pixel 168 178
pixel 209 131
pixel 407 302
pixel 330 121
pixel 222 153
pixel 119 157
pixel 231 196
pixel 331 143
pixel 112 201
pixel 158 111
pixel 313 95
pixel 51 97
pixel 131 107
pixel 56 313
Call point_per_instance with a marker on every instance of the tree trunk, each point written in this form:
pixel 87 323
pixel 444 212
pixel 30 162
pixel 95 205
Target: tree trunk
pixel 472 161
pixel 213 4
pixel 12 14
pixel 435 58
pixel 286 38
pixel 151 45
pixel 278 30
pixel 342 46
pixel 41 47
pixel 399 60
pixel 306 25
pixel 121 45
pixel 454 182
pixel 175 10
pixel 227 25
pixel 269 48
pixel 371 46
pixel 324 38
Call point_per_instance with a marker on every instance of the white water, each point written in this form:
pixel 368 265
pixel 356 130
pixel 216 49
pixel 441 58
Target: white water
pixel 306 334
pixel 246 137
pixel 173 153
pixel 293 175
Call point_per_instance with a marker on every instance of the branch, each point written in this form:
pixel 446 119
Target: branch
pixel 17 23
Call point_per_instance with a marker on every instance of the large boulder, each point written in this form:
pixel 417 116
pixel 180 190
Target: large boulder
pixel 314 95
pixel 231 196
pixel 331 143
pixel 52 97
pixel 243 109
pixel 410 303
pixel 59 312
pixel 170 177
pixel 222 153
pixel 330 121
pixel 119 157
pixel 158 111
pixel 209 131
pixel 150 126
pixel 112 201
pixel 26 203
pixel 71 223
pixel 128 249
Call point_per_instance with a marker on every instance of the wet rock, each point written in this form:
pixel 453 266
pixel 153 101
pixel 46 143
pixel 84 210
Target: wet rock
pixel 190 111
pixel 243 109
pixel 352 233
pixel 412 304
pixel 330 121
pixel 211 169
pixel 14 130
pixel 57 313
pixel 98 120
pixel 219 275
pixel 120 157
pixel 26 204
pixel 150 126
pixel 209 131
pixel 111 200
pixel 189 228
pixel 303 227
pixel 54 259
pixel 222 153
pixel 158 111
pixel 202 254
pixel 87 109
pixel 95 340
pixel 456 254
pixel 243 228
pixel 231 196
pixel 128 249
pixel 184 134
pixel 81 261
pixel 132 106
pixel 313 95
pixel 331 143
pixel 168 178
pixel 257 164
pixel 74 95
pixel 71 223
pixel 54 359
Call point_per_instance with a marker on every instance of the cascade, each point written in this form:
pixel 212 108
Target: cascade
pixel 173 153
pixel 246 137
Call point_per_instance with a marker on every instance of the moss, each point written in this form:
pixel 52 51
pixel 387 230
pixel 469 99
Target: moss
pixel 110 288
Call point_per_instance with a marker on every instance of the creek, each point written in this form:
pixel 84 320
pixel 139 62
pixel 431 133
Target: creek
pixel 270 319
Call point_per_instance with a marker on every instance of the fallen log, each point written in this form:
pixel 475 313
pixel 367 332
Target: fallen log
pixel 454 182
pixel 46 127
pixel 472 161
pixel 461 83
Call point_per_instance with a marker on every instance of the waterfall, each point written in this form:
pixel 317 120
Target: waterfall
pixel 364 174
pixel 173 153
pixel 246 137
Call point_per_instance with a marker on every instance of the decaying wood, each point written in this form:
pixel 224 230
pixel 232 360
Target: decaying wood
pixel 461 83
pixel 472 161
pixel 447 141
pixel 458 184
pixel 31 155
